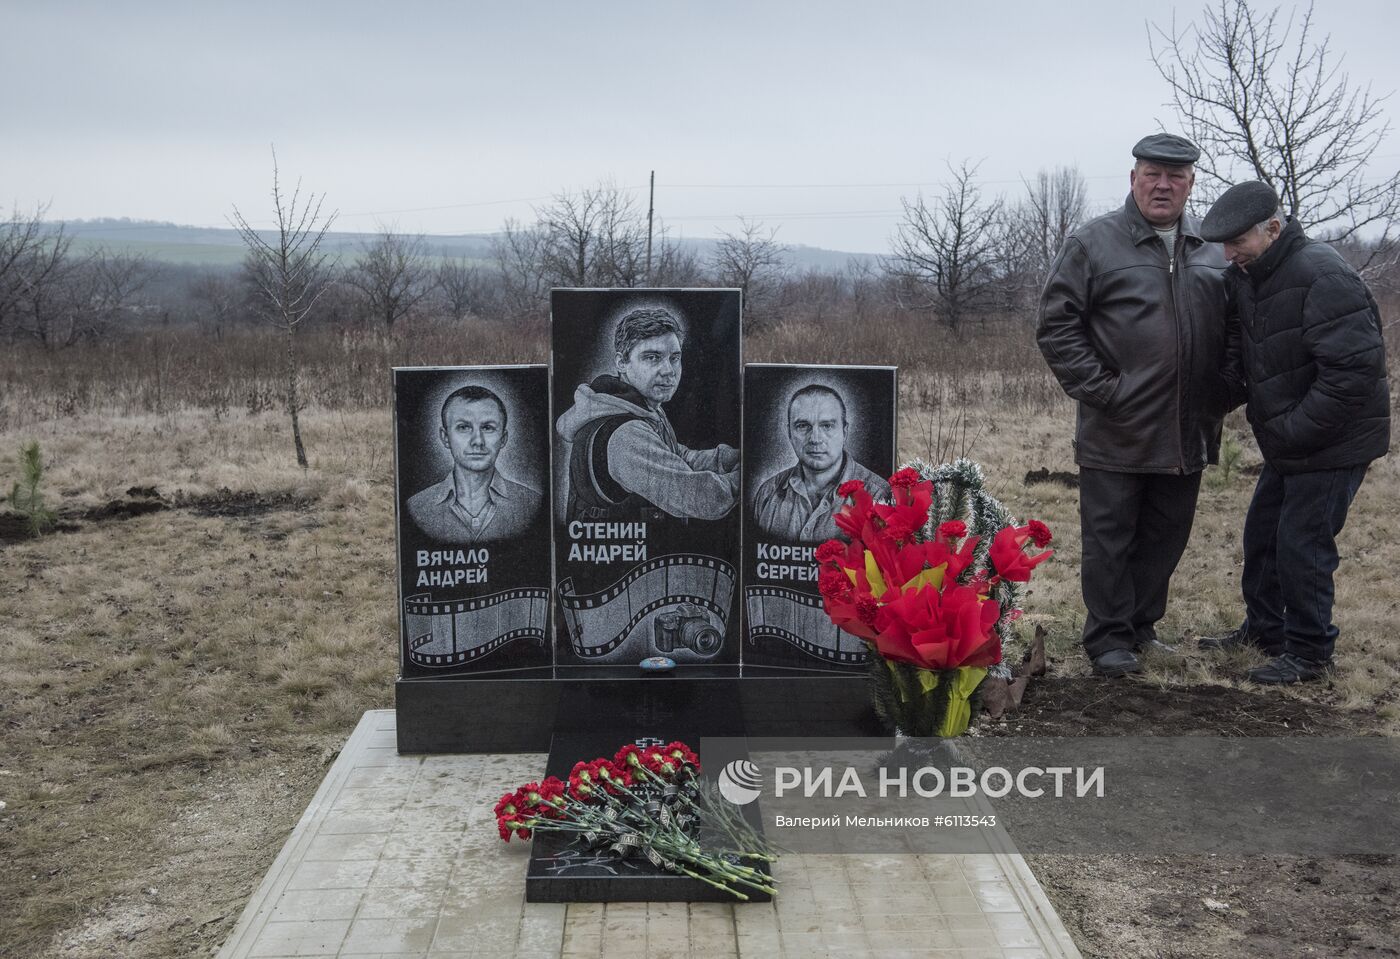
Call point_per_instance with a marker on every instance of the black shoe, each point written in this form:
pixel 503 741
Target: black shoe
pixel 1239 638
pixel 1287 669
pixel 1116 662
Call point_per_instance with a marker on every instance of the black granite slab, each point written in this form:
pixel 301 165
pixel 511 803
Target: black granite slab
pixel 562 870
pixel 520 712
pixel 807 429
pixel 473 589
pixel 646 475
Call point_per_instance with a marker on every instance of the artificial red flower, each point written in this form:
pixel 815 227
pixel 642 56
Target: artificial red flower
pixel 1008 557
pixel 904 478
pixel 939 630
pixel 854 518
pixel 830 551
pixel 952 529
pixel 867 609
pixel 833 584
pixel 1039 532
pixel 909 511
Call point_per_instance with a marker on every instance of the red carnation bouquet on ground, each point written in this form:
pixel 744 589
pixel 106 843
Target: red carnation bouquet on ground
pixel 647 802
pixel 932 599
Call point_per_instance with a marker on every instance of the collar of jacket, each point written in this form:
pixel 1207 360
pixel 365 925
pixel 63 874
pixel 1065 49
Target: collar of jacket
pixel 1142 231
pixel 1278 252
pixel 616 386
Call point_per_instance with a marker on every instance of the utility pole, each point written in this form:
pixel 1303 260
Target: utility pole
pixel 651 210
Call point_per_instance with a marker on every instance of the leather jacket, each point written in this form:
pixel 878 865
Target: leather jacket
pixel 1139 340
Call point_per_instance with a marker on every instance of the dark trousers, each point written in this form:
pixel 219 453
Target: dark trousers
pixel 1290 554
pixel 1134 528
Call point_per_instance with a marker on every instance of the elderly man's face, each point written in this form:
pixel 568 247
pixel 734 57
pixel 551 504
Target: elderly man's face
pixel 475 433
pixel 817 430
pixel 653 368
pixel 1251 244
pixel 1161 190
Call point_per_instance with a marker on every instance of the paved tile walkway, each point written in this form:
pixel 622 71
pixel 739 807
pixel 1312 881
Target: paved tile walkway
pixel 397 856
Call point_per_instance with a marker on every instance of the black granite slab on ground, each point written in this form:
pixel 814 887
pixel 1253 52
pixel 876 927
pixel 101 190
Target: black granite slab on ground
pixel 519 712
pixel 562 870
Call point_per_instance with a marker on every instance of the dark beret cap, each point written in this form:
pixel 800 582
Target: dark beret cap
pixel 1167 148
pixel 1242 206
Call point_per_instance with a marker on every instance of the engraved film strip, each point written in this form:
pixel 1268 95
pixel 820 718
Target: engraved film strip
pixel 798 618
pixel 463 631
pixel 598 623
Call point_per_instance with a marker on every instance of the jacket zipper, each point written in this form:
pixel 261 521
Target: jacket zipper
pixel 1172 254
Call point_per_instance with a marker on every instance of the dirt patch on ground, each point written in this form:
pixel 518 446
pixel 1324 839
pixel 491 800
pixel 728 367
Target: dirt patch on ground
pixel 1214 907
pixel 144 500
pixel 187 903
pixel 241 503
pixel 1057 477
pixel 16 529
pixel 1083 706
pixel 1206 907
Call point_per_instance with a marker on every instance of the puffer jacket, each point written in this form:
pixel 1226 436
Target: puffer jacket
pixel 1312 355
pixel 1139 341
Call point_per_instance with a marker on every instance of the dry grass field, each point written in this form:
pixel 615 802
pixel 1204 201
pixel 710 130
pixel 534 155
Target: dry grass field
pixel 182 661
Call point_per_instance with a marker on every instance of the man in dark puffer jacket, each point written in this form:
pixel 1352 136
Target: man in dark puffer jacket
pixel 1309 353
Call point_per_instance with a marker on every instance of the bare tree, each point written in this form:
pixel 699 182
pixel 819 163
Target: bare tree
pixel 462 287
pixel 42 302
pixel 754 261
pixel 946 251
pixel 102 290
pixel 289 271
pixel 1036 226
pixel 674 263
pixel 596 237
pixel 1266 99
pixel 392 275
pixel 218 298
pixel 519 252
pixel 21 237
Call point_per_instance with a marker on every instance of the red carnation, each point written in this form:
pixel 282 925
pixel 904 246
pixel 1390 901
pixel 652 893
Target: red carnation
pixel 899 528
pixel 1040 533
pixel 866 610
pixel 681 752
pixel 952 529
pixel 830 551
pixel 629 756
pixel 850 487
pixel 834 584
pixel 904 478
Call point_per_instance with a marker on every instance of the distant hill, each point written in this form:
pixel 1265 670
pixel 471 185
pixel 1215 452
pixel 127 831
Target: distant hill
pixel 220 246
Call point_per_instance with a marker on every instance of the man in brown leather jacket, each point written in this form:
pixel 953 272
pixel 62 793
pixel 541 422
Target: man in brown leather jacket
pixel 1132 324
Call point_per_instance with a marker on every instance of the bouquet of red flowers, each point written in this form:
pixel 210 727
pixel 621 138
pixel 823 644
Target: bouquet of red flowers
pixel 648 803
pixel 932 599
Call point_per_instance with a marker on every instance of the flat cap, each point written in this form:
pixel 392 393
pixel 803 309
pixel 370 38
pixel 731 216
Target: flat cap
pixel 1167 148
pixel 1239 208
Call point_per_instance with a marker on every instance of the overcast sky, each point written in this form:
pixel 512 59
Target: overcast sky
pixel 815 117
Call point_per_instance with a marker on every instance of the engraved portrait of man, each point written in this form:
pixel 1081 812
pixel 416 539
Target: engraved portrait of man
pixel 797 503
pixel 624 461
pixel 474 502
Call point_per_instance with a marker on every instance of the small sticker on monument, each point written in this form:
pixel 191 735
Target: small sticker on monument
pixel 471 466
pixel 646 475
pixel 807 430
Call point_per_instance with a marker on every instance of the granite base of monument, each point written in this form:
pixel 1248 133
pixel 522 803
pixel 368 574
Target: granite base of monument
pixel 520 713
pixel 562 870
